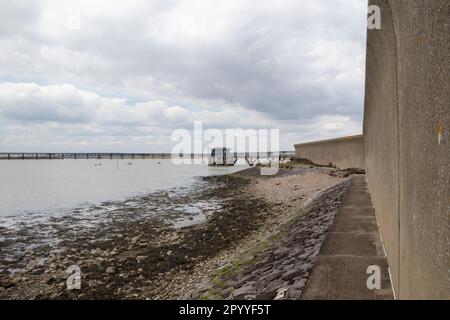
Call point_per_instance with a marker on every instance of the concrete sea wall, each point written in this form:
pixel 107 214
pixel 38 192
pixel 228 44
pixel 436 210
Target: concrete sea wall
pixel 407 147
pixel 406 143
pixel 344 153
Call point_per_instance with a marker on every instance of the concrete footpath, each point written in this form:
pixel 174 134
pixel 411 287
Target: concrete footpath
pixel 352 244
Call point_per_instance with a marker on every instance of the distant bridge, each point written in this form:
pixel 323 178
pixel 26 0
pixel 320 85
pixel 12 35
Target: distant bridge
pixel 96 155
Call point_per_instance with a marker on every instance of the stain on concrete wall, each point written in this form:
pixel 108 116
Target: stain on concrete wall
pixel 406 115
pixel 343 153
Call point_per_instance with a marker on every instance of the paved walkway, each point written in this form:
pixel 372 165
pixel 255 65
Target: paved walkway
pixel 351 246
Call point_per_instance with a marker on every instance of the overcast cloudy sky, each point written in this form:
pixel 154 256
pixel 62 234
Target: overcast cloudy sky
pixel 122 75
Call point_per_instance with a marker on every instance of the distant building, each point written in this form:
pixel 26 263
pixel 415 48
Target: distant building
pixel 221 157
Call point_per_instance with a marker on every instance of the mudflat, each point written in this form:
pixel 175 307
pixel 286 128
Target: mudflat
pixel 136 254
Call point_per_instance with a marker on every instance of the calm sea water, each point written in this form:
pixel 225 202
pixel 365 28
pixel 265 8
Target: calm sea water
pixel 28 186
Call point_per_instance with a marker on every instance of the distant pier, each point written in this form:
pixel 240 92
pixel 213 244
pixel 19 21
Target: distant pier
pixel 98 156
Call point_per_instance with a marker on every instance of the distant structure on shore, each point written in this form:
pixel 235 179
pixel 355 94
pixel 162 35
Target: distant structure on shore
pixel 222 157
pixel 99 156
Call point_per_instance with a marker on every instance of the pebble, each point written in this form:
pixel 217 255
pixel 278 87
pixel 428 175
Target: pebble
pixel 47 280
pixel 139 259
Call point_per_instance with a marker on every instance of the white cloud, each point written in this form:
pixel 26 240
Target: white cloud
pixel 30 102
pixel 133 71
pixel 64 118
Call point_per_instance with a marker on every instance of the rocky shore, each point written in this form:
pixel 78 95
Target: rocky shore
pixel 248 237
pixel 278 267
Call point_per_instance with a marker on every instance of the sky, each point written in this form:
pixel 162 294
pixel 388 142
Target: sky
pixel 121 76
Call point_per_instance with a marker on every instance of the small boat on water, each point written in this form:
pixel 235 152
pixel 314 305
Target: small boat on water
pixel 221 157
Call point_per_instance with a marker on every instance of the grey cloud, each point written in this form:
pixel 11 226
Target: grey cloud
pixel 275 61
pixel 18 17
pixel 265 63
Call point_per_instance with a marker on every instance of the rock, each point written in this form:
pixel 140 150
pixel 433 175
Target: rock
pixel 61 276
pixel 16 280
pixel 303 256
pixel 271 276
pixel 251 277
pixel 7 284
pixel 204 285
pixel 266 296
pixel 281 294
pixel 307 267
pixel 169 252
pixel 293 294
pixel 262 262
pixel 281 252
pixel 225 266
pixel 32 264
pixel 110 270
pixel 288 276
pixel 273 286
pixel 47 280
pixel 139 259
pixel 105 253
pixel 243 292
pixel 135 239
pixel 299 284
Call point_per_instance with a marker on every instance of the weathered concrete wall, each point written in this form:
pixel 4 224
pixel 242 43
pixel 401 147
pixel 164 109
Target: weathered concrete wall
pixel 408 169
pixel 381 137
pixel 344 153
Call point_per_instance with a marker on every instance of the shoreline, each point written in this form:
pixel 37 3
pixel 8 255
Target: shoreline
pixel 148 259
pixel 278 264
